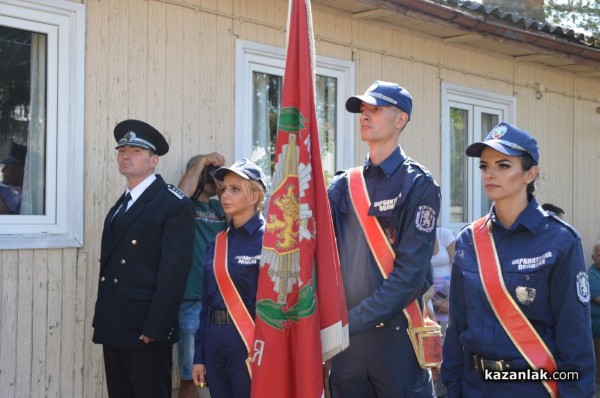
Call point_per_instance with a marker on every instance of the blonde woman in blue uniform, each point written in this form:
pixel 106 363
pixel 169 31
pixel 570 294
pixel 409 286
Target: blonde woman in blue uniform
pixel 541 287
pixel 221 350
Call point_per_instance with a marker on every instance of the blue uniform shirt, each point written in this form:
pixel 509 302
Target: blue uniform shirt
pixel 406 201
pixel 244 246
pixel 11 195
pixel 544 271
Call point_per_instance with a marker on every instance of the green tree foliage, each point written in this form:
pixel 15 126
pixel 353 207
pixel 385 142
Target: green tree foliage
pixel 579 15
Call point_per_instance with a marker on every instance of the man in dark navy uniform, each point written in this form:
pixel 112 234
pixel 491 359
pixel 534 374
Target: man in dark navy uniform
pixel 147 246
pixel 380 361
pixel 11 186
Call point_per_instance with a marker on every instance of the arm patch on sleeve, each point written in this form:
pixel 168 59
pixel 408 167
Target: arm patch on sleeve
pixel 425 221
pixel 583 287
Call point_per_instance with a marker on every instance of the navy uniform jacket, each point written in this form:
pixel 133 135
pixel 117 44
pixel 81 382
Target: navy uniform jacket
pixel 244 246
pixel 544 271
pixel 144 267
pixel 406 201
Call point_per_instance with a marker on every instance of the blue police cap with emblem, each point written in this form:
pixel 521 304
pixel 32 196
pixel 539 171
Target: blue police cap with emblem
pixel 137 133
pixel 382 93
pixel 245 169
pixel 509 140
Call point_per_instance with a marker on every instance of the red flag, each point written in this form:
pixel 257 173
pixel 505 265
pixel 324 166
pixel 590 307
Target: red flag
pixel 301 317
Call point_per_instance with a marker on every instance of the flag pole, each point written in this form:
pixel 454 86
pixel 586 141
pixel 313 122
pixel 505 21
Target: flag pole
pixel 326 386
pixel 289 16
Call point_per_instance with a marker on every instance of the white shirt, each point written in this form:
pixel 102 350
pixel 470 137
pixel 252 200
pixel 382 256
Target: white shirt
pixel 139 189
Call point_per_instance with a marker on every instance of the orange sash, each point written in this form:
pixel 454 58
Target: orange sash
pixel 420 326
pixel 515 324
pixel 235 306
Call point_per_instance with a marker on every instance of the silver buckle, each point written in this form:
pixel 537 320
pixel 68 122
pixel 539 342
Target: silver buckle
pixel 492 365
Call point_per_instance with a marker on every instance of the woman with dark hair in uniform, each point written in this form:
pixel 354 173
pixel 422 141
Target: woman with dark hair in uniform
pixel 519 295
pixel 232 262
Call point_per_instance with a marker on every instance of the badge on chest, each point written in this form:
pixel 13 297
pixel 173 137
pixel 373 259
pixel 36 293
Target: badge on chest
pixel 525 295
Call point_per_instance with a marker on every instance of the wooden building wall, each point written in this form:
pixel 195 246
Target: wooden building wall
pixel 172 63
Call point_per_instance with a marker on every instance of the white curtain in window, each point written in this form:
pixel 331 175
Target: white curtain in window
pixel 325 93
pixel 34 181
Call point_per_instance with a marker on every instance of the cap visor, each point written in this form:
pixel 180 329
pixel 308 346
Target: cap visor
pixel 221 172
pixel 353 103
pixel 474 150
pixel 10 160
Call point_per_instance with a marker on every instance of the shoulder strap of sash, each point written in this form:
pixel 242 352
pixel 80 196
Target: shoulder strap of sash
pixel 510 316
pixel 236 307
pixel 378 241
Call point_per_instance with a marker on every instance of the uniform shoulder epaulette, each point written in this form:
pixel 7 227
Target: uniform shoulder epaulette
pixel 338 176
pixel 176 191
pixel 411 163
pixel 564 223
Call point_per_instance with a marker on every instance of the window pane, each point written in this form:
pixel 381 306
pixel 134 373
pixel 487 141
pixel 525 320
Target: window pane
pixel 488 121
pixel 459 129
pixel 265 111
pixel 22 121
pixel 326 92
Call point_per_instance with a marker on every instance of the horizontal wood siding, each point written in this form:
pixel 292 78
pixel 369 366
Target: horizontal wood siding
pixel 172 63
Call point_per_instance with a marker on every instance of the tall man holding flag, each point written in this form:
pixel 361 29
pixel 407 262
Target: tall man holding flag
pixel 405 200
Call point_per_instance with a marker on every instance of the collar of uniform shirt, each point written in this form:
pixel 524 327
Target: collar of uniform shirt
pixel 530 218
pixel 390 164
pixel 251 226
pixel 140 188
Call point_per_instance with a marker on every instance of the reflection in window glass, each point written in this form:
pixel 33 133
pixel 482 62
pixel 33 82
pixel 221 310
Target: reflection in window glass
pixel 265 107
pixel 22 121
pixel 459 130
pixel 265 111
pixel 326 92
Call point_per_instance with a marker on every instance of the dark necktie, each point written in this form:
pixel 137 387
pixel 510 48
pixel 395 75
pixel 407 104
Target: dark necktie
pixel 120 212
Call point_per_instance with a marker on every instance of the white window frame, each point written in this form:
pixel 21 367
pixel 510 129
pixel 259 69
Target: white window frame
pixel 474 101
pixel 64 24
pixel 254 57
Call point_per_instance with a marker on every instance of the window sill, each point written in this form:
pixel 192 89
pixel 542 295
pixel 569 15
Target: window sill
pixel 38 241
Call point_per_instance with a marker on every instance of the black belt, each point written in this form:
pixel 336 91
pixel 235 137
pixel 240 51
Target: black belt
pixel 220 317
pixel 479 363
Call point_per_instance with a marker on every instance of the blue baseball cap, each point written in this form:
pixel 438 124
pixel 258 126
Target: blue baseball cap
pixel 382 93
pixel 245 169
pixel 509 140
pixel 137 133
pixel 16 155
